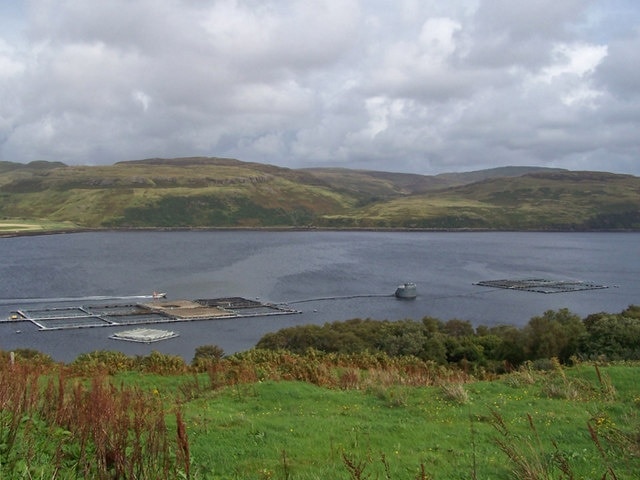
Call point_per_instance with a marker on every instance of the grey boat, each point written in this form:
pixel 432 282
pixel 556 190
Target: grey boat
pixel 406 290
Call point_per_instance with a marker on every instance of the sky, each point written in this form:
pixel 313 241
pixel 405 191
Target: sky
pixel 416 86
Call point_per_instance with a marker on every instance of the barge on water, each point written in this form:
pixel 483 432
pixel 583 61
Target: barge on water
pixel 407 290
pixel 152 312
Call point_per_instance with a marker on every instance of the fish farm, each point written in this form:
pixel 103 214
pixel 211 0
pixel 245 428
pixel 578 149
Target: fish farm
pixel 541 285
pixel 155 311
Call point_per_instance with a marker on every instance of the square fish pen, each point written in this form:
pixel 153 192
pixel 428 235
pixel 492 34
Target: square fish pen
pixel 156 311
pixel 64 317
pixel 244 307
pixel 91 316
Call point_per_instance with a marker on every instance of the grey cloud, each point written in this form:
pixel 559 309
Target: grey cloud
pixel 421 86
pixel 508 33
pixel 619 71
pixel 521 21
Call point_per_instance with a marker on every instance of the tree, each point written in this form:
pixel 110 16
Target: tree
pixel 512 345
pixel 458 328
pixel 464 349
pixel 554 334
pixel 633 311
pixel 432 325
pixel 207 355
pixel 616 337
pixel 402 338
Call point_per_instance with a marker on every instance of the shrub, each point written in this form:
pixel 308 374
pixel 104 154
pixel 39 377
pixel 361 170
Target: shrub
pixel 205 356
pixel 101 362
pixel 162 364
pixel 454 392
pixel 33 357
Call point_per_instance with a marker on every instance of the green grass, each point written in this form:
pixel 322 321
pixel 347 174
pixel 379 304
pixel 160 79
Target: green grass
pixel 297 430
pixel 11 226
pixel 73 422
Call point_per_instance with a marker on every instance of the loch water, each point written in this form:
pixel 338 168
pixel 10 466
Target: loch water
pixel 305 269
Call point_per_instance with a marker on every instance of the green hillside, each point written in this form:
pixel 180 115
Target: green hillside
pixel 168 193
pixel 560 200
pixel 221 192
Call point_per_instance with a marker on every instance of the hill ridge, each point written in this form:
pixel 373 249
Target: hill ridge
pixel 227 192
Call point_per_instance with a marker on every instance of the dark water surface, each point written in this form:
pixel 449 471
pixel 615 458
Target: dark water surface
pixel 293 266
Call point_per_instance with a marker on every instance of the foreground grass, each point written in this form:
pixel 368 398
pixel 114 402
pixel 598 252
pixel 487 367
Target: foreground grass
pixel 531 425
pixel 275 415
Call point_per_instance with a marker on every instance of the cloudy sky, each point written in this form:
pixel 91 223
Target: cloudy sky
pixel 422 86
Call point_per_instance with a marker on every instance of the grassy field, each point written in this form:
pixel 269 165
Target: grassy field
pixel 297 430
pixel 277 416
pixel 24 226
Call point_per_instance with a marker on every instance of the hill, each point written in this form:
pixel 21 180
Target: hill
pixel 222 192
pixel 560 200
pixel 377 183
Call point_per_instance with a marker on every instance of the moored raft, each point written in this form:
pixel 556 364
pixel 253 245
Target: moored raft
pixel 144 335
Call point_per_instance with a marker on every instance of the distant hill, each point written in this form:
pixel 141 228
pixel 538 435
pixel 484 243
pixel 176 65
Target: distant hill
pixel 363 181
pixel 36 165
pixel 224 192
pixel 463 178
pixel 543 200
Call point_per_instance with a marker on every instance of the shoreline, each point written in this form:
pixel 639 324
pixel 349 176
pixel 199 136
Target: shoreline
pixel 31 233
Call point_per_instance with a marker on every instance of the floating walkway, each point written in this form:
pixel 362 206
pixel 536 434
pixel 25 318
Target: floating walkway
pixel 152 312
pixel 541 285
pixel 340 297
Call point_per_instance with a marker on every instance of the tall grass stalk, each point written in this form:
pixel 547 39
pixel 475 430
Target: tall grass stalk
pixel 596 440
pixel 98 430
pixel 528 456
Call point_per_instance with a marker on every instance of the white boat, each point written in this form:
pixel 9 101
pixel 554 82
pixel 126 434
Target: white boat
pixel 157 295
pixel 406 290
